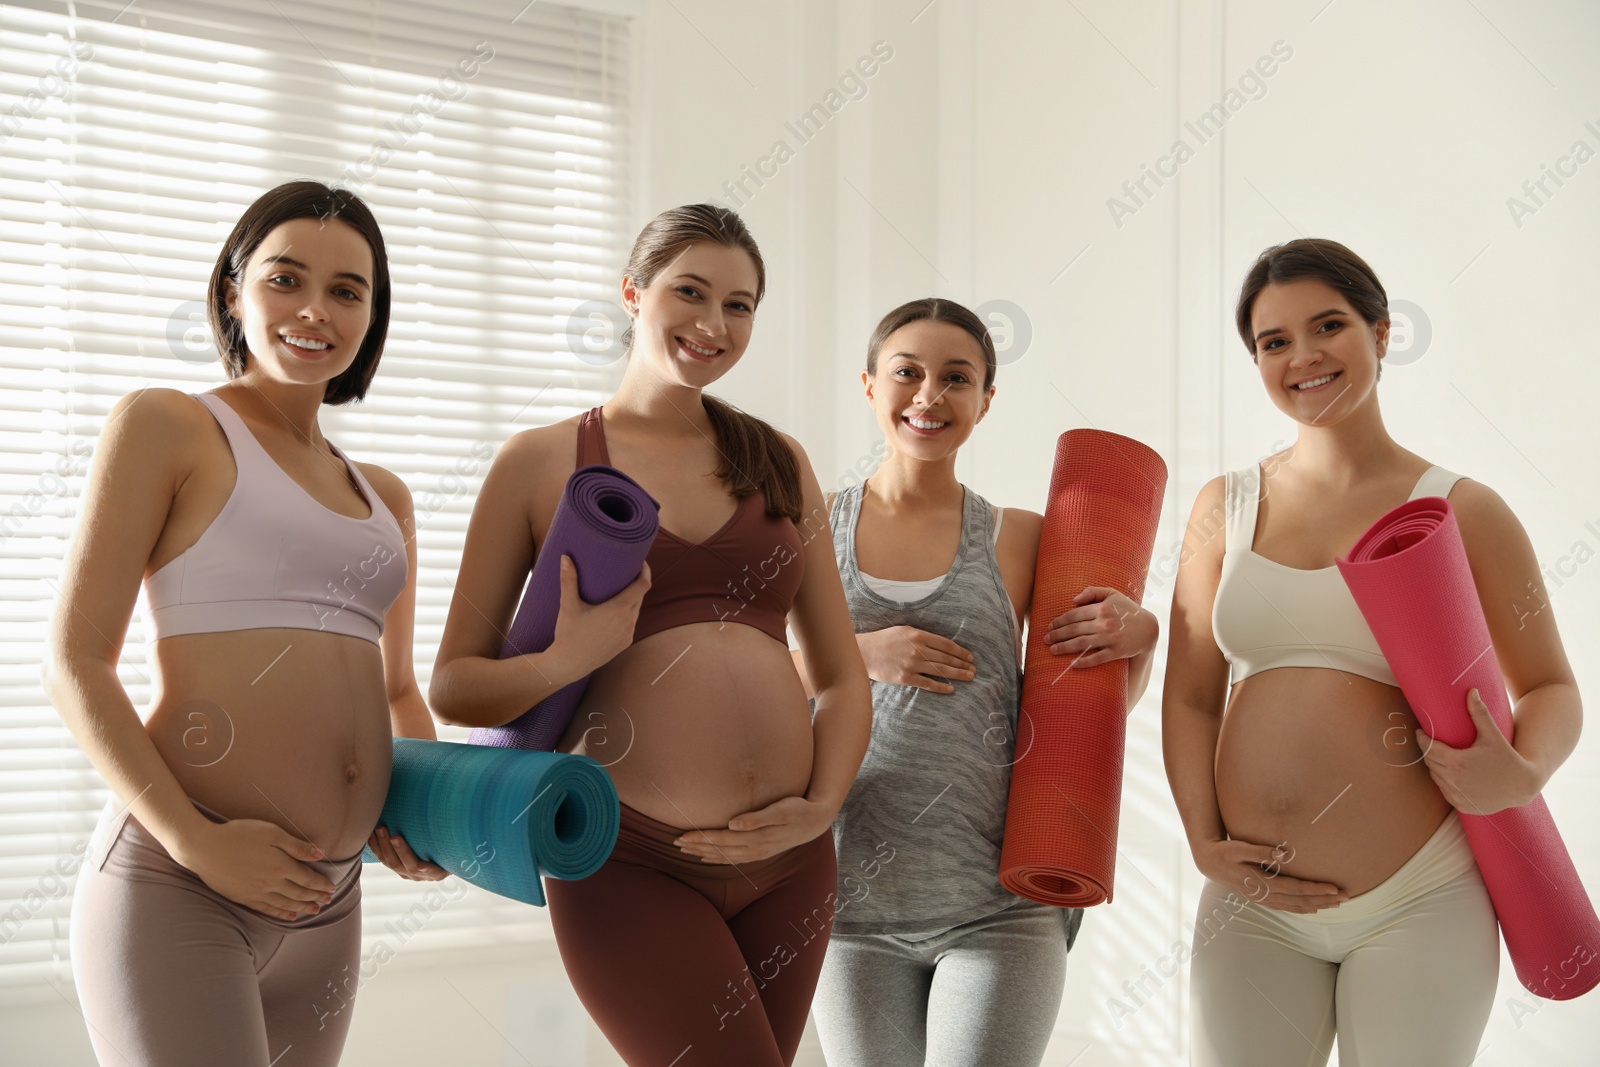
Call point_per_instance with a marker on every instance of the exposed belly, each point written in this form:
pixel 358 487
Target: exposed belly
pixel 698 724
pixel 1326 764
pixel 288 726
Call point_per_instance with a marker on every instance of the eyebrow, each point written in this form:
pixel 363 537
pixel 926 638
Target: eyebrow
pixel 1319 316
pixel 913 357
pixel 289 262
pixel 737 292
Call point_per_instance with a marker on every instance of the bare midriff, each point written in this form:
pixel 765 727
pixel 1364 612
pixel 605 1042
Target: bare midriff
pixel 287 726
pixel 1326 764
pixel 697 724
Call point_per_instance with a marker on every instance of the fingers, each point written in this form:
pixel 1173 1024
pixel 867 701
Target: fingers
pixel 302 850
pixel 946 647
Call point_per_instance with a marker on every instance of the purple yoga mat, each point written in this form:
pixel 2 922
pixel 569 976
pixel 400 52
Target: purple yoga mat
pixel 1410 578
pixel 606 523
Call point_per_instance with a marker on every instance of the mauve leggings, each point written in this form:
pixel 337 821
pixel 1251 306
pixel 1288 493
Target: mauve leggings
pixel 170 974
pixel 688 964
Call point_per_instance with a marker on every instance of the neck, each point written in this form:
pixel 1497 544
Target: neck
pixel 666 408
pixel 904 483
pixel 1355 448
pixel 288 405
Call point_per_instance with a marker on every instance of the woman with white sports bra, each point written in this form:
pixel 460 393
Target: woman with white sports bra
pixel 220 898
pixel 1341 898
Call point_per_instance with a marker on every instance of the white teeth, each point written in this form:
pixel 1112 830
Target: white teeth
pixel 924 424
pixel 691 346
pixel 1313 383
pixel 306 342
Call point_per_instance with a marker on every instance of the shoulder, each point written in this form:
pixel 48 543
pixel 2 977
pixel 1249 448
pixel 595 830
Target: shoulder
pixel 1483 516
pixel 794 447
pixel 542 443
pixel 1021 527
pixel 158 412
pixel 390 489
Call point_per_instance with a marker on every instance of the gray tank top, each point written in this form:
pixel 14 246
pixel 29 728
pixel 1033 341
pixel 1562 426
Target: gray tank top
pixel 920 831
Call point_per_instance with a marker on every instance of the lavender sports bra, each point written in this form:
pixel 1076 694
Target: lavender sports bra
pixel 275 557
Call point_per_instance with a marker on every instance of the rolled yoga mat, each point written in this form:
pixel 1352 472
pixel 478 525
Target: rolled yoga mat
pixel 1066 784
pixel 500 818
pixel 1409 576
pixel 606 523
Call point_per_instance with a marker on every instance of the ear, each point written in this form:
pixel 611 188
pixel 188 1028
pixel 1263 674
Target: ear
pixel 1380 331
pixel 230 298
pixel 866 382
pixel 987 399
pixel 630 297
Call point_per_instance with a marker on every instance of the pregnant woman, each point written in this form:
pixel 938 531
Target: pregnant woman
pixel 700 939
pixel 1341 897
pixel 932 962
pixel 220 896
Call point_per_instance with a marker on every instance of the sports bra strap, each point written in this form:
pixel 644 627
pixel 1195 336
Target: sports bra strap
pixel 1435 481
pixel 591 440
pixel 1241 499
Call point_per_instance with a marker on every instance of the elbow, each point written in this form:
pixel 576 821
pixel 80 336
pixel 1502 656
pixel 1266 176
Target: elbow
pixel 442 699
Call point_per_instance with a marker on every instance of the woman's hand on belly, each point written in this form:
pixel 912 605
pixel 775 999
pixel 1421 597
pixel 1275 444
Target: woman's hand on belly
pixel 260 865
pixel 756 835
pixel 1255 872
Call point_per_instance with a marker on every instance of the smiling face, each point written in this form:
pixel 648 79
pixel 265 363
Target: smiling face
pixel 693 321
pixel 303 301
pixel 1317 357
pixel 927 390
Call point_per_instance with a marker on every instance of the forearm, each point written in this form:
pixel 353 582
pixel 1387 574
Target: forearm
pixel 408 716
pixel 96 709
pixel 1139 668
pixel 1549 720
pixel 477 691
pixel 800 669
pixel 1189 747
pixel 840 730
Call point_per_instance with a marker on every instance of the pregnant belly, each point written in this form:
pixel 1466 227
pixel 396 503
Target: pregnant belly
pixel 1326 765
pixel 287 726
pixel 698 724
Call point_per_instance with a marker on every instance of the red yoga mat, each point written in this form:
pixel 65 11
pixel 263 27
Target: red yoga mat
pixel 1100 522
pixel 1409 576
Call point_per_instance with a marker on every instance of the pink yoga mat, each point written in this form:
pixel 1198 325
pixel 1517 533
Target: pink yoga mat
pixel 1410 578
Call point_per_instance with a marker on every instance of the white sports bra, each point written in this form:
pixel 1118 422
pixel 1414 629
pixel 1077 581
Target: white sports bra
pixel 1268 615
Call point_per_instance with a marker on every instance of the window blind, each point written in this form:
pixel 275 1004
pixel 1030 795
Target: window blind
pixel 495 155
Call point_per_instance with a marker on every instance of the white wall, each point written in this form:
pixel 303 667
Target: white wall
pixel 978 165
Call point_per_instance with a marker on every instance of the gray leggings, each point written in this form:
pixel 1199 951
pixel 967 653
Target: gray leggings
pixel 171 974
pixel 983 993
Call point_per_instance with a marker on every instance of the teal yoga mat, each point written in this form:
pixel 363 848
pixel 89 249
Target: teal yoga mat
pixel 501 817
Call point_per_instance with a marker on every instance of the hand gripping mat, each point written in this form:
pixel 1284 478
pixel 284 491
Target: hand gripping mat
pixel 1409 576
pixel 1100 522
pixel 606 523
pixel 500 818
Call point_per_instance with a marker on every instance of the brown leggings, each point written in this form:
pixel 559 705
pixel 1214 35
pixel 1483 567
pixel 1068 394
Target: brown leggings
pixel 683 963
pixel 171 974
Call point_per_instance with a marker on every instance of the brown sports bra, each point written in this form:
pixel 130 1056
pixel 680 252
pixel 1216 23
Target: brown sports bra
pixel 748 572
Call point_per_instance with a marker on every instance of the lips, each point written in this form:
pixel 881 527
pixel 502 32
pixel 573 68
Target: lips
pixel 307 345
pixel 930 427
pixel 1317 384
pixel 703 353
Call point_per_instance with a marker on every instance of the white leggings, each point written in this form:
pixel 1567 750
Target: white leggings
pixel 1404 974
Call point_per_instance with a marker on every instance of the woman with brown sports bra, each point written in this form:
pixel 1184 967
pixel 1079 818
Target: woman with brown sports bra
pixel 1341 897
pixel 700 940
pixel 220 898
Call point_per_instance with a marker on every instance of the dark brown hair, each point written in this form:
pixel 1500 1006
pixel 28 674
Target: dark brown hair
pixel 290 201
pixel 753 455
pixel 1316 258
pixel 935 309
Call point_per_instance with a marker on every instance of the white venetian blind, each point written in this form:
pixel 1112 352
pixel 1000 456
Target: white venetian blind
pixel 495 155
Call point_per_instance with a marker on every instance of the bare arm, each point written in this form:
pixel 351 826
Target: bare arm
pixel 408 714
pixel 138 467
pixel 471 685
pixel 1192 702
pixel 141 464
pixel 838 680
pixel 1493 774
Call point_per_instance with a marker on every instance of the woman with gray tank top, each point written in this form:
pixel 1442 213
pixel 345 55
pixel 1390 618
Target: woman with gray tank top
pixel 932 963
